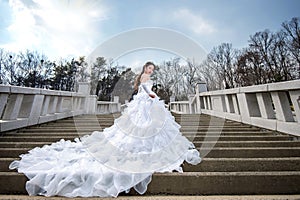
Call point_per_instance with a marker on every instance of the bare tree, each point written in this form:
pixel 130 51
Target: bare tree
pixel 249 70
pixel 98 70
pixel 2 70
pixel 221 60
pixel 169 76
pixel 10 67
pixel 264 44
pixel 205 72
pixel 291 30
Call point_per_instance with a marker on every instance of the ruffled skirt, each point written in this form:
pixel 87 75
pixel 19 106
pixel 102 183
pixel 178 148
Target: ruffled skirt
pixel 143 140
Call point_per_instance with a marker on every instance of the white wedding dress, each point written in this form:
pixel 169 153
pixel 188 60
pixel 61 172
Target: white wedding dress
pixel 143 140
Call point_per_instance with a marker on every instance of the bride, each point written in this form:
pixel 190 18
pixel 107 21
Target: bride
pixel 143 140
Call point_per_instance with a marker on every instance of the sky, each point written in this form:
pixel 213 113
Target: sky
pixel 73 28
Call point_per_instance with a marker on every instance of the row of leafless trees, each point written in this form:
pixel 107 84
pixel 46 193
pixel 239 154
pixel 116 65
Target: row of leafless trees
pixel 269 57
pixel 32 69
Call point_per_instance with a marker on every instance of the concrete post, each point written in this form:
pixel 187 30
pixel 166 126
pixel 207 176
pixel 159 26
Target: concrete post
pixel 265 105
pixel 295 97
pixel 244 109
pixel 209 102
pixel 53 108
pixel 36 109
pixel 84 88
pixel 252 105
pixel 91 104
pixel 91 100
pixel 59 105
pixel 200 87
pixel 46 105
pixel 191 110
pixel 235 104
pixel 13 107
pixel 205 102
pixel 229 104
pixel 282 107
pixel 4 91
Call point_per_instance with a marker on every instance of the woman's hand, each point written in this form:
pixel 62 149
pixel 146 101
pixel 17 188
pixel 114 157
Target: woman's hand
pixel 152 95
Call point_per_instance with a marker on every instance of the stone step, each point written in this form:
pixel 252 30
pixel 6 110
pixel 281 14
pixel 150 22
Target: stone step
pixel 239 138
pixel 220 164
pixel 34 139
pixel 248 144
pixel 192 138
pixel 250 152
pixel 242 160
pixel 244 164
pixel 216 152
pixel 22 144
pixel 91 129
pixel 188 133
pixel 185 126
pixel 161 197
pixel 196 143
pixel 199 183
pixel 229 183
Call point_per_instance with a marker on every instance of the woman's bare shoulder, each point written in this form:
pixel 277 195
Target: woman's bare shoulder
pixel 145 77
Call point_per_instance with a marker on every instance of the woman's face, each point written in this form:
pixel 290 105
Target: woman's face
pixel 149 69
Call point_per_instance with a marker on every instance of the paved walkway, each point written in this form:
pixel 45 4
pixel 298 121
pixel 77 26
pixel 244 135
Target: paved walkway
pixel 222 197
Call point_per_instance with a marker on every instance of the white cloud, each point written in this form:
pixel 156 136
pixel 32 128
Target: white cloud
pixel 194 22
pixel 58 28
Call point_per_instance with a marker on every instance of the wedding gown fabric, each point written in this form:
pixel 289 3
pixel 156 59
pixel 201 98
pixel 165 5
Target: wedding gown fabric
pixel 143 140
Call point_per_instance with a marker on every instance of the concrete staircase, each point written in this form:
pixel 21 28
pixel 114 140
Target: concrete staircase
pixel 238 159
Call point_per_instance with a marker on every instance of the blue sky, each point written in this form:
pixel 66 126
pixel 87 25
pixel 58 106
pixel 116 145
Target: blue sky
pixel 67 28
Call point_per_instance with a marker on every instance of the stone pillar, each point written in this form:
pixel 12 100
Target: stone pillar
pixel 91 100
pixel 191 110
pixel 54 104
pixel 209 103
pixel 252 105
pixel 172 98
pixel 282 107
pixel 229 104
pixel 235 104
pixel 265 105
pixel 295 97
pixel 13 107
pixel 59 104
pixel 84 88
pixel 36 109
pixel 244 109
pixel 200 87
pixel 91 104
pixel 4 91
pixel 45 105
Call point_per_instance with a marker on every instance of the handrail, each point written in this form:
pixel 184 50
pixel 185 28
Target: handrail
pixel 23 106
pixel 274 106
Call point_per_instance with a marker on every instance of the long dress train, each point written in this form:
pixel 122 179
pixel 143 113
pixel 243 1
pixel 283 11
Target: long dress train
pixel 143 140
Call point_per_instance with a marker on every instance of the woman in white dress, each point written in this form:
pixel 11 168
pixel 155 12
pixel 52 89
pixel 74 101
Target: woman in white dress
pixel 143 140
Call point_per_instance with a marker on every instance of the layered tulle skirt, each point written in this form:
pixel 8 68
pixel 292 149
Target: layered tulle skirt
pixel 143 140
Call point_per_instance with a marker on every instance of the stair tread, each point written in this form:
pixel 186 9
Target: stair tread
pixel 228 166
pixel 242 173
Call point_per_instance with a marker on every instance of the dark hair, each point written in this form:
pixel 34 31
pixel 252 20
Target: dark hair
pixel 137 81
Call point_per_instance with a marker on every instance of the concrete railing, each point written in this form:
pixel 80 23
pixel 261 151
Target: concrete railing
pixel 180 107
pixel 21 106
pixel 107 107
pixel 274 106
